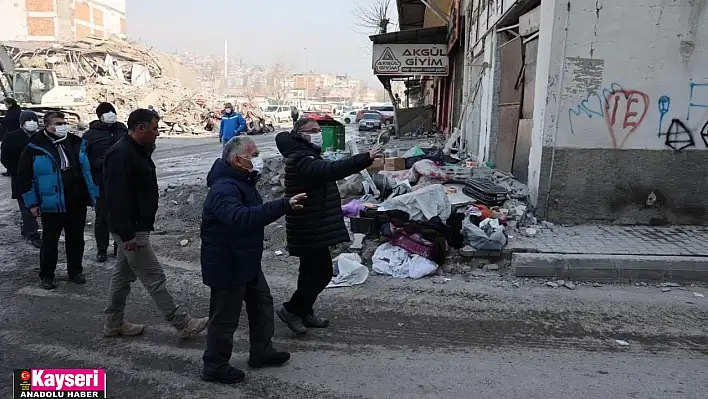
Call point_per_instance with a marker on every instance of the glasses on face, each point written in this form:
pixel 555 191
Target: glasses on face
pixel 314 130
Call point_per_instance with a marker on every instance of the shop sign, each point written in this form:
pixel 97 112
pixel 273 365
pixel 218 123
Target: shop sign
pixel 411 59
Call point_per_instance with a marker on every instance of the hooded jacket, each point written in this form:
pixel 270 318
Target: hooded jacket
pixel 320 223
pixel 12 146
pixel 232 125
pixel 11 120
pixel 100 137
pixel 232 230
pixel 42 182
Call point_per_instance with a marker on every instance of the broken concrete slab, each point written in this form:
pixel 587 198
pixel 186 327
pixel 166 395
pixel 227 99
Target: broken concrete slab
pixel 610 268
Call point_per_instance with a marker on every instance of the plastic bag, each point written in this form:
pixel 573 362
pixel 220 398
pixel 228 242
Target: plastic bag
pixel 478 239
pixel 348 271
pixel 397 262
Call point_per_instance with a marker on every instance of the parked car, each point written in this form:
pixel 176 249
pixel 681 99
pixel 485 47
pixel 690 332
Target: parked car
pixel 387 120
pixel 278 113
pixel 350 116
pixel 370 121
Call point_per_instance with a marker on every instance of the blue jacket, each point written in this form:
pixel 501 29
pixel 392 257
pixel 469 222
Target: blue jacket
pixel 42 182
pixel 232 125
pixel 232 228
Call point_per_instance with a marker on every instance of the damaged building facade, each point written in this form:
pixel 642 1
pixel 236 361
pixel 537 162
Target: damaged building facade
pixel 60 20
pixel 600 107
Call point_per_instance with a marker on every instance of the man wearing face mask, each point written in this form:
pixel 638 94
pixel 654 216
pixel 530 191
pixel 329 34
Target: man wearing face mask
pixel 100 137
pixel 233 225
pixel 12 146
pixel 55 181
pixel 130 186
pixel 232 124
pixel 320 224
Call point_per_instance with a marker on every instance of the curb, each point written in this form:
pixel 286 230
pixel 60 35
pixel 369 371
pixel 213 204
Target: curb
pixel 610 268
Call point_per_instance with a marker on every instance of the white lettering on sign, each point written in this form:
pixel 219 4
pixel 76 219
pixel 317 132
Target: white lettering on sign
pixel 411 59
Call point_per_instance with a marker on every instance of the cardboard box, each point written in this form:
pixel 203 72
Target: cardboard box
pixel 376 167
pixel 395 163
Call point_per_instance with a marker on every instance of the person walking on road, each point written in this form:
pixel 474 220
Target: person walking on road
pixel 233 225
pixel 54 177
pixel 13 145
pixel 11 120
pixel 101 135
pixel 320 224
pixel 232 124
pixel 130 186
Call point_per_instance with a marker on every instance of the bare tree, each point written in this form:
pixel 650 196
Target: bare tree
pixel 373 15
pixel 279 77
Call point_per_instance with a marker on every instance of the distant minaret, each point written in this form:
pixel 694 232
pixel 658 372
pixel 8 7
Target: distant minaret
pixel 226 59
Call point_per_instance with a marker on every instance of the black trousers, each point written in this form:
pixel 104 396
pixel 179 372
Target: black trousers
pixel 100 227
pixel 315 274
pixel 72 222
pixel 30 226
pixel 224 313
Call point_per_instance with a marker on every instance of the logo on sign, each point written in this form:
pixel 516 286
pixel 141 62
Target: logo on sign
pixel 387 62
pixel 60 383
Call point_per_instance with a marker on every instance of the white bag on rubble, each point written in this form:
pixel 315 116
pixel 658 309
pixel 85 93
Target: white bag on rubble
pixel 421 205
pixel 480 240
pixel 348 271
pixel 399 263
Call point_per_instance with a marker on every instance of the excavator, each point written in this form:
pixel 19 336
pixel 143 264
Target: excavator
pixel 38 89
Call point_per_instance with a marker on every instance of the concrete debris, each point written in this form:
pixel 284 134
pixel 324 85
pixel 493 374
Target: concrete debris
pixel 699 295
pixel 674 285
pixel 597 285
pixel 278 253
pixel 530 232
pixel 665 289
pixel 491 267
pixel 569 285
pixel 551 284
pixel 184 243
pixel 621 342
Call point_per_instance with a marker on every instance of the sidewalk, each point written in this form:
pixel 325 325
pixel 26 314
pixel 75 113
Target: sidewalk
pixel 613 253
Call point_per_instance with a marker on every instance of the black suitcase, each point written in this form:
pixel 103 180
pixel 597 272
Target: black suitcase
pixel 485 191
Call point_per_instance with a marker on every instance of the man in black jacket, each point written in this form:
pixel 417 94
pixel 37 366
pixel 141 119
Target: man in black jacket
pixel 12 146
pixel 320 224
pixel 100 137
pixel 233 222
pixel 11 120
pixel 130 186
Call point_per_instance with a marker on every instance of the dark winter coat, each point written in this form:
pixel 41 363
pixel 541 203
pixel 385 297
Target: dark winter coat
pixel 11 121
pixel 320 223
pixel 100 137
pixel 12 146
pixel 130 186
pixel 42 182
pixel 233 223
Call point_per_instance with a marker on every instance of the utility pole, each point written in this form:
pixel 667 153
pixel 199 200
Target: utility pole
pixel 226 63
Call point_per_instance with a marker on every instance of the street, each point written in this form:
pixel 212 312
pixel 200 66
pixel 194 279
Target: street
pixel 479 335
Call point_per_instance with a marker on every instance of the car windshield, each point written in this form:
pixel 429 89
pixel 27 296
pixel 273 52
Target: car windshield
pixel 271 108
pixel 372 116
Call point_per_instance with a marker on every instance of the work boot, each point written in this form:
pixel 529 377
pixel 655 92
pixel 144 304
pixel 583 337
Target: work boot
pixel 78 279
pixel 293 322
pixel 313 321
pixel 127 329
pixel 36 242
pixel 101 256
pixel 48 283
pixel 229 375
pixel 193 327
pixel 273 359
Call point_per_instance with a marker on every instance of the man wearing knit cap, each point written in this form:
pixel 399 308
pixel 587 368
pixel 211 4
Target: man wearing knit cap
pixel 12 146
pixel 100 137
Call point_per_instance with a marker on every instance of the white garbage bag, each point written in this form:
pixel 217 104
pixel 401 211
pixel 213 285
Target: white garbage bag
pixel 422 205
pixel 399 263
pixel 348 271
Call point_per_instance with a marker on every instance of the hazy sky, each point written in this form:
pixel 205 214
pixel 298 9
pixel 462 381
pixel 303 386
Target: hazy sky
pixel 261 31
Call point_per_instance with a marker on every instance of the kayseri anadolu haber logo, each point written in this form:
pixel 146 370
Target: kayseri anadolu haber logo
pixel 59 383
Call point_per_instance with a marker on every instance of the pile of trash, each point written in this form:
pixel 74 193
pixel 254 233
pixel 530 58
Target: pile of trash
pixel 129 76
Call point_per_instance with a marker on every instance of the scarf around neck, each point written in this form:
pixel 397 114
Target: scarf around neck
pixel 59 144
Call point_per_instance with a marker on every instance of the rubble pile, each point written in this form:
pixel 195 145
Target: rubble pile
pixel 129 76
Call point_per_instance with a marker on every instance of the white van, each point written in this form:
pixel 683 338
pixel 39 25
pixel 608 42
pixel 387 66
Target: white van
pixel 384 108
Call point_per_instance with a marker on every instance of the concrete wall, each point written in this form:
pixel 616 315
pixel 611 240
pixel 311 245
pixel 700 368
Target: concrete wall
pixel 625 89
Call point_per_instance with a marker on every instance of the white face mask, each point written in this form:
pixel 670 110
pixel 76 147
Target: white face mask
pixel 316 139
pixel 109 118
pixel 61 130
pixel 31 126
pixel 257 164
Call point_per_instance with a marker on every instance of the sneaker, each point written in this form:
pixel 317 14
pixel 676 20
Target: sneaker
pixel 293 322
pixel 229 375
pixel 193 327
pixel 274 359
pixel 313 321
pixel 78 279
pixel 102 256
pixel 48 284
pixel 127 329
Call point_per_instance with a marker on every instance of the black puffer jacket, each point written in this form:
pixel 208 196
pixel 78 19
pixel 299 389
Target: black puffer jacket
pixel 320 223
pixel 100 137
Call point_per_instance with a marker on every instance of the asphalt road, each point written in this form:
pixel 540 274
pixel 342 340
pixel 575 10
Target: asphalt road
pixel 485 336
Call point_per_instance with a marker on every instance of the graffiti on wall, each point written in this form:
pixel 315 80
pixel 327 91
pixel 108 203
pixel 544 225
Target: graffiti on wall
pixel 679 135
pixel 623 111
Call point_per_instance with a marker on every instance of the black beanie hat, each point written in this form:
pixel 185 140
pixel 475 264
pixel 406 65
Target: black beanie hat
pixel 104 108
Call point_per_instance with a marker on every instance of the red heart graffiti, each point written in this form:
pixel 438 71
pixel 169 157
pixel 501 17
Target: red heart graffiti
pixel 625 110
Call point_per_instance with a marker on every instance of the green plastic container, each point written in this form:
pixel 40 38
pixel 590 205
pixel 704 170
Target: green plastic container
pixel 333 135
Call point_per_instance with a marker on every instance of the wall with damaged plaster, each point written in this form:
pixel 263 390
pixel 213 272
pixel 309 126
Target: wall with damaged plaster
pixel 635 75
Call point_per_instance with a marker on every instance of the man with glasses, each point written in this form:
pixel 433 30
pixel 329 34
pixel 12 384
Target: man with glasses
pixel 54 176
pixel 130 185
pixel 320 224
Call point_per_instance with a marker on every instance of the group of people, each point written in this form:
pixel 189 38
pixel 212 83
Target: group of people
pixel 58 175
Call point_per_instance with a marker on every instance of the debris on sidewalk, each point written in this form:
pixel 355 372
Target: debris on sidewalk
pixel 621 342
